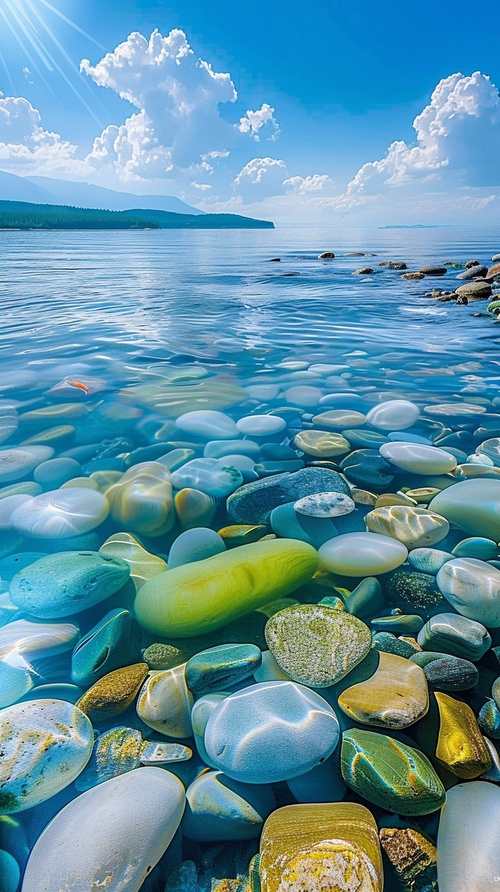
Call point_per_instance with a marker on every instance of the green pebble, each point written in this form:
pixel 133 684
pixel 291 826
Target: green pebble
pixel 396 777
pixel 315 645
pixel 400 624
pixel 162 656
pixel 415 591
pixel 366 598
pixel 206 595
pixel 221 667
pixel 387 642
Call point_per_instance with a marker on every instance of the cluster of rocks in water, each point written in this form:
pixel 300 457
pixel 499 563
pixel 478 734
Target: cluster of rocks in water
pixel 253 643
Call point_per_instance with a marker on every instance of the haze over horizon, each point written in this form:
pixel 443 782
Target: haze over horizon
pixel 352 113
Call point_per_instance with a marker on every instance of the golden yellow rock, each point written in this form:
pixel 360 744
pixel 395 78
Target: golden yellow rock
pixel 328 847
pixel 460 745
pixel 143 565
pixel 413 857
pixel 394 498
pixel 142 500
pixel 242 533
pixel 321 444
pixel 114 692
pixel 395 696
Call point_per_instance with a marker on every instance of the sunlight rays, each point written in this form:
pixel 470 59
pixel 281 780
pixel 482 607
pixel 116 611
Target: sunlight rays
pixel 28 23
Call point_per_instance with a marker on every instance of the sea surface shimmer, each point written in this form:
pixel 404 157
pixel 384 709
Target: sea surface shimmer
pixel 249 561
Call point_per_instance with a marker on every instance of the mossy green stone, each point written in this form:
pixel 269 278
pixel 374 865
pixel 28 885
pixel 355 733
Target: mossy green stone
pixel 390 774
pixel 317 645
pixel 203 596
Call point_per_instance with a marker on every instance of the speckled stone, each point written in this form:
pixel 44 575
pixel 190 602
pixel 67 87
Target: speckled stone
pixel 114 692
pixel 165 702
pixel 326 504
pixel 299 850
pixel 68 582
pixel 111 644
pixel 362 554
pixel 472 587
pixel 270 732
pixel 414 527
pixel 413 857
pixel 468 851
pixel 162 656
pixel 45 745
pixel 446 672
pixel 367 468
pixel 17 462
pixel 315 645
pixel 321 444
pixel 395 696
pixel 227 586
pixel 454 634
pixel 74 852
pixel 254 502
pixel 416 591
pixel 115 752
pixel 450 735
pixel 219 808
pixel 489 719
pixel 221 667
pixel 392 775
pixel 386 642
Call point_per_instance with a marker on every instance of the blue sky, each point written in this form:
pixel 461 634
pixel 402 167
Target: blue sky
pixel 306 112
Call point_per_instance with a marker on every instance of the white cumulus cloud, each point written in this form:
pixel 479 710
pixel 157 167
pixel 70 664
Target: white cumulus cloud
pixel 177 96
pixel 27 148
pixel 254 121
pixel 314 183
pixel 260 178
pixel 457 144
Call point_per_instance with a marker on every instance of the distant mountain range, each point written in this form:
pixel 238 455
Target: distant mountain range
pixel 46 190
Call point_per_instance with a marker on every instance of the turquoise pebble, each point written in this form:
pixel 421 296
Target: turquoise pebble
pixel 12 564
pixel 476 547
pixel 53 473
pixel 221 667
pixel 65 583
pixel 277 452
pixel 270 732
pixel 428 560
pixel 364 439
pixel 285 522
pixel 400 624
pixel 366 598
pixel 219 808
pixel 454 634
pixel 10 872
pixel 68 692
pixel 271 468
pixel 193 545
pixel 111 644
pixel 405 437
pixel 14 683
pixel 390 644
pixel 489 719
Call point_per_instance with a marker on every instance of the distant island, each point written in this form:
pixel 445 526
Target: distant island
pixel 412 226
pixel 29 216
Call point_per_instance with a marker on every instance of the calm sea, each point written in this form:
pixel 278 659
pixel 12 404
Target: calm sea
pixel 113 303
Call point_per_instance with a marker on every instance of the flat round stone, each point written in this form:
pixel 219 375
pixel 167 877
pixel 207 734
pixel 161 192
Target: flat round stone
pixel 321 444
pixel 19 461
pixel 472 587
pixel 315 645
pixel 362 554
pixel 473 505
pixel 414 527
pixel 395 696
pixel 207 423
pixel 325 504
pixel 418 459
pixel 260 425
pixel 393 415
pixel 339 419
pixel 61 513
pixel 270 731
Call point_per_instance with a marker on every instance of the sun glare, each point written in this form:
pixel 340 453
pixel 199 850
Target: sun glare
pixel 32 23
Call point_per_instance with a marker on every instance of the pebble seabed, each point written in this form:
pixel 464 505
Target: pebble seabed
pixel 250 630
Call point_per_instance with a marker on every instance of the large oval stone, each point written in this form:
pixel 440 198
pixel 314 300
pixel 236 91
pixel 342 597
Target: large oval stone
pixel 270 732
pixel 473 505
pixel 138 815
pixel 362 554
pixel 203 596
pixel 395 696
pixel 414 527
pixel 316 645
pixel 254 502
pixel 45 745
pixel 61 513
pixel 390 774
pixel 418 459
pixel 468 850
pixel 473 588
pixel 68 582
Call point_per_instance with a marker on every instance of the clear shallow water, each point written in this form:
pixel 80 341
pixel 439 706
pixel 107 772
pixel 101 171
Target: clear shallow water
pixel 137 308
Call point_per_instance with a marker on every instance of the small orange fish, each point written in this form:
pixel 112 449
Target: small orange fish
pixel 81 385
